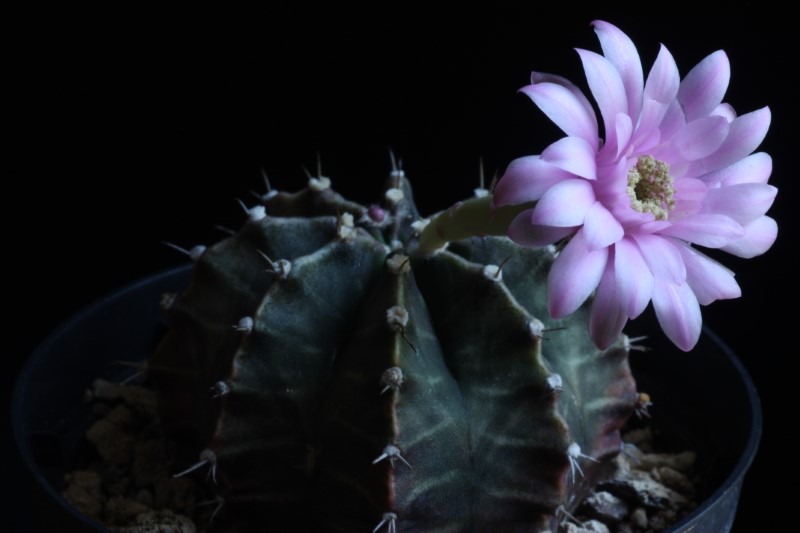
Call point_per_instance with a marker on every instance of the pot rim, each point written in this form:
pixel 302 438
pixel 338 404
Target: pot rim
pixel 23 379
pixel 733 480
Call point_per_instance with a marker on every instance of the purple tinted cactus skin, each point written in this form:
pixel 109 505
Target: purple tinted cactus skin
pixel 373 385
pixel 228 282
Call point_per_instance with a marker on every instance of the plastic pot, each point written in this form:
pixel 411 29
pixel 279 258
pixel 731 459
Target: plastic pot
pixel 703 401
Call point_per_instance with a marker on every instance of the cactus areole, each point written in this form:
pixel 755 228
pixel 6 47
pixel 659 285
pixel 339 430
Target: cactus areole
pixel 335 371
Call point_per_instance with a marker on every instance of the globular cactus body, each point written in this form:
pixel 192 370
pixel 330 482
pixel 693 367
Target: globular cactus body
pixel 367 385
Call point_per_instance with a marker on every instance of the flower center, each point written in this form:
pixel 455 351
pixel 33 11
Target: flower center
pixel 650 187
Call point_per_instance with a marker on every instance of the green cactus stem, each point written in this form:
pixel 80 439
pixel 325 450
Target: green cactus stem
pixel 342 373
pixel 473 217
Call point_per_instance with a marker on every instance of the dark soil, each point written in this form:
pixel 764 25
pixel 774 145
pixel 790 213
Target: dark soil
pixel 130 484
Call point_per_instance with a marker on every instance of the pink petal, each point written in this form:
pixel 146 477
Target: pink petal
pixel 701 137
pixel 635 221
pixel 676 170
pixel 678 313
pixel 574 275
pixel 607 89
pixel 659 91
pixel 744 202
pixel 624 131
pixel 663 80
pixel 674 119
pixel 565 105
pixel 544 77
pixel 709 230
pixel 726 111
pixel 564 204
pixel 755 168
pixel 709 280
pixel 527 179
pixel 634 281
pixel 758 238
pixel 703 88
pixel 645 139
pixel 607 318
pixel 662 258
pixel 600 227
pixel 574 155
pixel 689 196
pixel 653 226
pixel 612 182
pixel 746 133
pixel 521 231
pixel 621 52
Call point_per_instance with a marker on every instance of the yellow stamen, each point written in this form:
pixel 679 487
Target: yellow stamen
pixel 650 187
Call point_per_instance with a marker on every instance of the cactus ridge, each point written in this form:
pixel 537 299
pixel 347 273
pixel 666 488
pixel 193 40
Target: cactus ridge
pixel 361 386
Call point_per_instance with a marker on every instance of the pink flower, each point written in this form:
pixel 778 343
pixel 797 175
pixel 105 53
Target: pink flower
pixel 676 169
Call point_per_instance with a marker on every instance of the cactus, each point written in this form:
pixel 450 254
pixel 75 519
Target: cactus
pixel 335 376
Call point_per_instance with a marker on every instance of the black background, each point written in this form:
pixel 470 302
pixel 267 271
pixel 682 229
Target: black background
pixel 128 128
